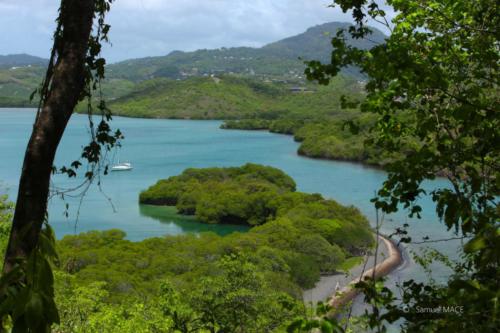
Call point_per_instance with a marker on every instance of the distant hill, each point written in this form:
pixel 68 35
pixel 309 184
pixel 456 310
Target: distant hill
pixel 315 43
pixel 21 60
pixel 20 74
pixel 276 62
pixel 278 59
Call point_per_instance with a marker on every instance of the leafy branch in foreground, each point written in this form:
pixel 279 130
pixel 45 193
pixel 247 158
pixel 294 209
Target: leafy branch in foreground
pixel 434 86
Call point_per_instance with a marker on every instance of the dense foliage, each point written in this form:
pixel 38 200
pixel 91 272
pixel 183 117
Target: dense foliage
pixel 439 65
pixel 242 282
pixel 5 219
pixel 277 258
pixel 247 282
pixel 245 195
pixel 191 282
pixel 231 97
pixel 328 138
pixel 254 195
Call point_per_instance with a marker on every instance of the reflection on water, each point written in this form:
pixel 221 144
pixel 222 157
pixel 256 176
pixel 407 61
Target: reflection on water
pixel 186 224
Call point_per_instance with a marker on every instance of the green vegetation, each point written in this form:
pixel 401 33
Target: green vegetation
pixel 314 117
pixel 276 60
pixel 248 281
pixel 440 65
pixel 196 98
pixel 18 83
pixel 245 195
pixel 189 280
pixel 350 263
pixel 231 97
pixel 103 283
pixel 259 195
pixel 21 74
pixel 5 220
pixel 329 138
pixel 204 282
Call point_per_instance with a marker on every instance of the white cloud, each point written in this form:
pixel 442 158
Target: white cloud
pixel 156 27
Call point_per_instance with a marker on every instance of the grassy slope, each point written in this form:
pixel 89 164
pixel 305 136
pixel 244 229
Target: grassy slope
pixel 230 98
pixel 17 84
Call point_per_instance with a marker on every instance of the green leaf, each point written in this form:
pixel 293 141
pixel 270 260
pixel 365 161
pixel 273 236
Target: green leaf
pixel 295 326
pixel 475 244
pixel 326 327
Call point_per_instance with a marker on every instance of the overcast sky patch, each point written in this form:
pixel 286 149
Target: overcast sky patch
pixel 142 28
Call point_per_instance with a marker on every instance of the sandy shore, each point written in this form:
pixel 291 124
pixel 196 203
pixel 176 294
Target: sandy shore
pixel 389 257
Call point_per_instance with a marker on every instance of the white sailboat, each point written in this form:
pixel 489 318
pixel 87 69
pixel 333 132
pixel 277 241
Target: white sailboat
pixel 125 166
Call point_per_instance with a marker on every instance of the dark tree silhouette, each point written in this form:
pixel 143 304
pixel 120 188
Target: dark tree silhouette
pixel 74 72
pixel 63 94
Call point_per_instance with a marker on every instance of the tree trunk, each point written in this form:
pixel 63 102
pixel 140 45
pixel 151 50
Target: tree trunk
pixel 64 91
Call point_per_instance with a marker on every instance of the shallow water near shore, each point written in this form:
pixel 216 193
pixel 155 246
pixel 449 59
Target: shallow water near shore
pixel 162 148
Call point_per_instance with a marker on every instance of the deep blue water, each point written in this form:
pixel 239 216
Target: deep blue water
pixel 162 148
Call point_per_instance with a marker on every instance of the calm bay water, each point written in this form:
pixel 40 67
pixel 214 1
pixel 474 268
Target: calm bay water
pixel 162 148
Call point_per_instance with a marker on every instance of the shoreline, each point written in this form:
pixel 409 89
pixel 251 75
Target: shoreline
pixel 338 289
pixel 361 163
pixel 393 261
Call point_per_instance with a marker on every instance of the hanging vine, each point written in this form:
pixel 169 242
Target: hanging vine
pixel 27 291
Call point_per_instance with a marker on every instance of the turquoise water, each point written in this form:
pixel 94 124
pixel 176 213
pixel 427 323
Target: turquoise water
pixel 162 148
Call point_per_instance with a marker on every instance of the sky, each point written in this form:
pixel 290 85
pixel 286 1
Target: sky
pixel 141 28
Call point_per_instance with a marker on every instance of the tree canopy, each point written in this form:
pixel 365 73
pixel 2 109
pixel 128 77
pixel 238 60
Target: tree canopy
pixel 433 86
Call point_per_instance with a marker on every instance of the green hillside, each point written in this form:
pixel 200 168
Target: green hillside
pixel 230 97
pixel 20 75
pixel 277 62
pixel 314 116
pixel 278 59
pixel 16 84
